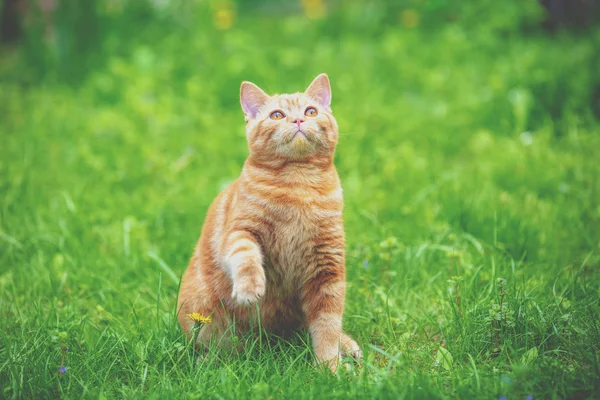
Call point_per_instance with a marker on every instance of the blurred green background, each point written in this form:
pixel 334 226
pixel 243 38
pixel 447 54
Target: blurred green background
pixel 468 154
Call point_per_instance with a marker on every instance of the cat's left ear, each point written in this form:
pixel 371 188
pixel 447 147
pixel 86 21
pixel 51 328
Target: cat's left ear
pixel 252 98
pixel 320 90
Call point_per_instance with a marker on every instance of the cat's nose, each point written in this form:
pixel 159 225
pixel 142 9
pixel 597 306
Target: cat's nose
pixel 298 121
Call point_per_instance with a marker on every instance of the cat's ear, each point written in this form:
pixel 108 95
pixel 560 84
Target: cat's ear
pixel 252 98
pixel 320 90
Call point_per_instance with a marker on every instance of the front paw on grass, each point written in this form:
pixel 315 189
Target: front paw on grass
pixel 338 364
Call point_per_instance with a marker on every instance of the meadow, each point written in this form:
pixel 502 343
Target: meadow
pixel 469 157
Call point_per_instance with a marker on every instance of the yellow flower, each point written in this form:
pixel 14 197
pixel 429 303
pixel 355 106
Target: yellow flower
pixel 199 319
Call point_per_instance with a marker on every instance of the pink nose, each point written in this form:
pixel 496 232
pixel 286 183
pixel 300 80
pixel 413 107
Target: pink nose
pixel 298 122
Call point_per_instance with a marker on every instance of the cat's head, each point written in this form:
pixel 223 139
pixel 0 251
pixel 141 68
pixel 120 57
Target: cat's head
pixel 294 126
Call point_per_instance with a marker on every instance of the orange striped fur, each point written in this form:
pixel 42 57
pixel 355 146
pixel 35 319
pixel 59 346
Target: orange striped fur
pixel 275 237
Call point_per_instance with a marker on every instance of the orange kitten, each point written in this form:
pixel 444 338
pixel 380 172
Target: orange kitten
pixel 275 236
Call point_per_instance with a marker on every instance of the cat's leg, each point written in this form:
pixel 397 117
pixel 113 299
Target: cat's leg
pixel 243 260
pixel 323 305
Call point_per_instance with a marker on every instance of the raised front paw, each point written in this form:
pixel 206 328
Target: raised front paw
pixel 248 286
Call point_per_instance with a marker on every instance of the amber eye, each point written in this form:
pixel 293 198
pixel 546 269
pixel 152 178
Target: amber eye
pixel 277 115
pixel 311 112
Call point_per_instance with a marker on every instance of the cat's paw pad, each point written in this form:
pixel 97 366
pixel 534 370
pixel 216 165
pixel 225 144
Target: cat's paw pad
pixel 248 289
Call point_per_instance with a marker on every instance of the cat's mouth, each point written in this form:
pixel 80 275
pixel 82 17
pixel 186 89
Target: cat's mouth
pixel 299 135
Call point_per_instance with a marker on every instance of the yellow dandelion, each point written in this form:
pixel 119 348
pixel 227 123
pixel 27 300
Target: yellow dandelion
pixel 199 319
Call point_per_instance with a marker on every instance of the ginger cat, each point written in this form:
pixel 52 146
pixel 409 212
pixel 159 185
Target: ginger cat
pixel 275 236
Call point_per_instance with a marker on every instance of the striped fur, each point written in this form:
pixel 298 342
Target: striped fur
pixel 275 236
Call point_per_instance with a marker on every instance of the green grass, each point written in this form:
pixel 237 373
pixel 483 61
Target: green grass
pixel 469 160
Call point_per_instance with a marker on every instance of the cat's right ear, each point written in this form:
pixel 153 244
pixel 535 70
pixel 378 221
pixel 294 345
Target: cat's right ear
pixel 252 99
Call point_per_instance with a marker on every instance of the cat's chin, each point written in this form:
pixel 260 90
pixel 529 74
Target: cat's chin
pixel 300 152
pixel 300 144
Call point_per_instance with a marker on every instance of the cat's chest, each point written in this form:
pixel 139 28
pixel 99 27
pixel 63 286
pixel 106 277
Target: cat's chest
pixel 292 240
pixel 297 226
pixel 288 254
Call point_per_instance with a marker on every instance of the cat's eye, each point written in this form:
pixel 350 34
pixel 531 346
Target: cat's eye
pixel 311 112
pixel 277 115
